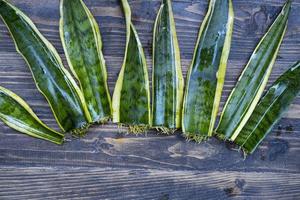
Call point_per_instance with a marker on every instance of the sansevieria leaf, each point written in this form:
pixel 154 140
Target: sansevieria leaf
pixel 131 99
pixel 51 78
pixel 251 84
pixel 207 72
pixel 270 109
pixel 167 80
pixel 16 113
pixel 82 44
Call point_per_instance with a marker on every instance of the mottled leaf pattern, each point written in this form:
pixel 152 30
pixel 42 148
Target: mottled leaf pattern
pixel 51 78
pixel 131 100
pixel 82 43
pixel 167 80
pixel 250 86
pixel 270 109
pixel 16 114
pixel 207 71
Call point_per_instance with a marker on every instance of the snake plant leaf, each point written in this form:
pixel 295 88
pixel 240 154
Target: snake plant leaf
pixel 270 109
pixel 131 98
pixel 51 78
pixel 252 82
pixel 16 113
pixel 82 44
pixel 167 80
pixel 207 72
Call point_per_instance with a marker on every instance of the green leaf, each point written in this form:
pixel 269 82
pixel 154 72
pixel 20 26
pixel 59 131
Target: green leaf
pixel 167 80
pixel 16 113
pixel 82 44
pixel 131 99
pixel 51 78
pixel 207 72
pixel 270 109
pixel 251 84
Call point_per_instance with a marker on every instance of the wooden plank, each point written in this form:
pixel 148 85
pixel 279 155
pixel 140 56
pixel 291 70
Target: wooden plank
pixel 41 183
pixel 107 164
pixel 104 146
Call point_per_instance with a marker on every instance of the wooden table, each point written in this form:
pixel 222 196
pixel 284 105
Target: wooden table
pixel 108 164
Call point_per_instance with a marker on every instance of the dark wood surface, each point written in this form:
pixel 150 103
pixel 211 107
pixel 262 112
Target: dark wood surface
pixel 108 164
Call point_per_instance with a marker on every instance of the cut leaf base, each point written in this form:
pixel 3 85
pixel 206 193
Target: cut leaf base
pixel 195 137
pixel 165 130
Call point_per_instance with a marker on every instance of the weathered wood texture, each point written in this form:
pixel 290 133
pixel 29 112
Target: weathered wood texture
pixel 111 165
pixel 144 184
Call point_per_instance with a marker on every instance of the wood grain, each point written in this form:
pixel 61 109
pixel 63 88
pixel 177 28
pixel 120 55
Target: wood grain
pixel 113 165
pixel 34 183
